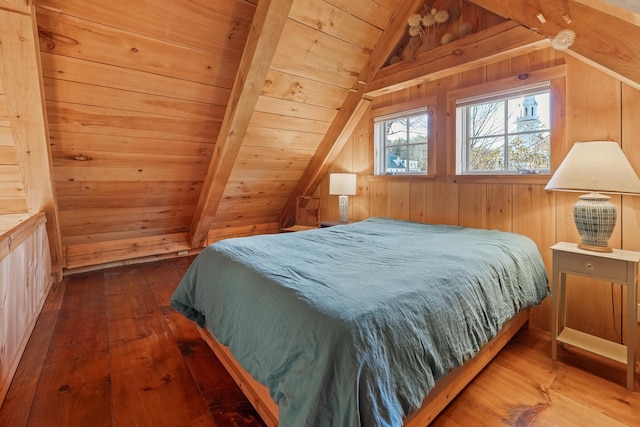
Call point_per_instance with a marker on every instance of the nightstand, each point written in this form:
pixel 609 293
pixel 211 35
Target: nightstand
pixel 618 266
pixel 331 223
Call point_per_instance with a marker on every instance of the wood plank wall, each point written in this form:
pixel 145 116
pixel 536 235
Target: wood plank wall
pixel 26 186
pixel 134 107
pixel 598 107
pixel 12 197
pixel 25 280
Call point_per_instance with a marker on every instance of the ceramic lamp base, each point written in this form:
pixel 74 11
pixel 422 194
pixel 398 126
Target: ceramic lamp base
pixel 595 217
pixel 343 208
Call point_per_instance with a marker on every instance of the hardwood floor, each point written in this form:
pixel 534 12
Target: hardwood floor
pixel 108 350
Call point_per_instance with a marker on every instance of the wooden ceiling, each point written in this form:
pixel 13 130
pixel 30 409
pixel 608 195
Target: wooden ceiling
pixel 171 124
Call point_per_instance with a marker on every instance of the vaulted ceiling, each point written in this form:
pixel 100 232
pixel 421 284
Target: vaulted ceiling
pixel 170 124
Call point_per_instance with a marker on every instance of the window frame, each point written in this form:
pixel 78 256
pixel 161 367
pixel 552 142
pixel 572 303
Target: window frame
pixel 556 76
pixel 381 115
pixel 463 137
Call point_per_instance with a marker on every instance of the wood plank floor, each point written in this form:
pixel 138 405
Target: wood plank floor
pixel 108 350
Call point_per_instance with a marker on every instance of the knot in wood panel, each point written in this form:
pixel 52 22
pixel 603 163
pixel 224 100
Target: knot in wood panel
pixel 52 38
pixel 80 158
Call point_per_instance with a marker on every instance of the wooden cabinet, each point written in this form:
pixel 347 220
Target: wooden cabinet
pixel 25 280
pixel 618 266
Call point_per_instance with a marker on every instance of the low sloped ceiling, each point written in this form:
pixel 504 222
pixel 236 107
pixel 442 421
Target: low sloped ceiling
pixel 139 94
pixel 321 52
pixel 327 54
pixel 159 133
pixel 135 96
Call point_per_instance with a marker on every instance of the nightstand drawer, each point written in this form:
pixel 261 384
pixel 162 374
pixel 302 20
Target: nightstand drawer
pixel 596 267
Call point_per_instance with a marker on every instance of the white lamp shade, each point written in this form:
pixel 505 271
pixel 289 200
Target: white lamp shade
pixel 343 184
pixel 595 166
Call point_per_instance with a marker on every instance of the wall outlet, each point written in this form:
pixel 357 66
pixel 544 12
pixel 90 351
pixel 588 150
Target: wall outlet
pixel 181 253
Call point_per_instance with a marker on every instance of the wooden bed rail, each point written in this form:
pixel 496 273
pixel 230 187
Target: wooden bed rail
pixel 255 392
pixel 448 387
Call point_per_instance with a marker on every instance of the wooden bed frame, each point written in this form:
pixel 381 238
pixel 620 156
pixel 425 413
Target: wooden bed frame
pixel 438 398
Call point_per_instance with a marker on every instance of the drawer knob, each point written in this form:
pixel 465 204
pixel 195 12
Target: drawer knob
pixel 589 266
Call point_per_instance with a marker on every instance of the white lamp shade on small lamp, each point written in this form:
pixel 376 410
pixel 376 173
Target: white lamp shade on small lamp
pixel 344 185
pixel 594 167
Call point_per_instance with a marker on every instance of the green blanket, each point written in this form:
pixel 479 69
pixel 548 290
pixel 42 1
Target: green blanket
pixel 352 325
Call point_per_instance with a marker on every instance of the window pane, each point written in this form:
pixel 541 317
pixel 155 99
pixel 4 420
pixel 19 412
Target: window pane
pixel 418 158
pixel 486 154
pixel 527 113
pixel 505 133
pixel 396 159
pixel 402 144
pixel 418 129
pixel 529 152
pixel 396 132
pixel 486 119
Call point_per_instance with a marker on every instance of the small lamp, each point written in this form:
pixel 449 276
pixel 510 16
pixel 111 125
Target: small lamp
pixel 344 185
pixel 595 166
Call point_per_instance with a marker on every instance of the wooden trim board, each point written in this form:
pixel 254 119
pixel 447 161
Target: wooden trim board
pixel 448 387
pixel 440 396
pixel 255 392
pixel 21 231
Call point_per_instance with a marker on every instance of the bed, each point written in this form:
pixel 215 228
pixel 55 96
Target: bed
pixel 365 324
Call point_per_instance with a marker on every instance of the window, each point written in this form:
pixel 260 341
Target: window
pixel 505 133
pixel 402 142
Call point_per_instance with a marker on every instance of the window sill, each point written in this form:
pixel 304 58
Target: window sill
pixel 500 179
pixel 384 178
pixel 466 179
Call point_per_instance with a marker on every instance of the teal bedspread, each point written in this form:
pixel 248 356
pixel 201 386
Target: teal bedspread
pixel 353 325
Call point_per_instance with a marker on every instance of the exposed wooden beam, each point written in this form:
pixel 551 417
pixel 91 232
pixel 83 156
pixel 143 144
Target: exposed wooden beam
pixel 615 8
pixel 336 137
pixel 495 43
pixel 266 29
pixel 21 6
pixel 24 92
pixel 602 38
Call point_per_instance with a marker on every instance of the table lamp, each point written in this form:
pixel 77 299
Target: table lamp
pixel 594 167
pixel 344 185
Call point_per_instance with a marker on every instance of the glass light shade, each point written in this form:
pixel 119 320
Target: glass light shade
pixel 593 167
